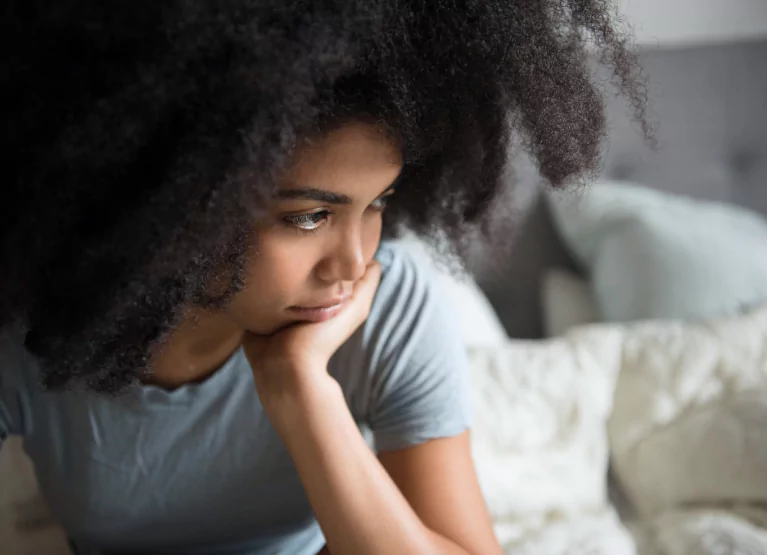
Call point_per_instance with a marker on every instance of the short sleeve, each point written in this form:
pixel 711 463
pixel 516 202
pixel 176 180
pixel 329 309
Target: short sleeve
pixel 419 386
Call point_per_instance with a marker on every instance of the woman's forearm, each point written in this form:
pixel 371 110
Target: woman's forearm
pixel 359 508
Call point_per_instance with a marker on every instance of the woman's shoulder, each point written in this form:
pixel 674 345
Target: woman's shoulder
pixel 406 263
pixel 411 301
pixel 413 389
pixel 393 256
pixel 407 280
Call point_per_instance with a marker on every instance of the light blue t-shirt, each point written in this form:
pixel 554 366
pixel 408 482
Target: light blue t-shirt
pixel 200 470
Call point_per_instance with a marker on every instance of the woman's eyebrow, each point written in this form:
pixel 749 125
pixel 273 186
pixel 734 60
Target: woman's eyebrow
pixel 310 193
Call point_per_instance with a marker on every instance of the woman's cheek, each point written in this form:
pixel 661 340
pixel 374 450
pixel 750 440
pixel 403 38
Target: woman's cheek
pixel 286 263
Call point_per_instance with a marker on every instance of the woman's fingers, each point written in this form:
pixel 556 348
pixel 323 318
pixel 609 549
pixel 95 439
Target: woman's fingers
pixel 362 299
pixel 317 340
pixel 365 289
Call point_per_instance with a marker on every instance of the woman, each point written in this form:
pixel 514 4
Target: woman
pixel 202 330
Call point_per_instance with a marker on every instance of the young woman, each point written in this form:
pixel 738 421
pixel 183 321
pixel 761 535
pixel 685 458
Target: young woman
pixel 203 333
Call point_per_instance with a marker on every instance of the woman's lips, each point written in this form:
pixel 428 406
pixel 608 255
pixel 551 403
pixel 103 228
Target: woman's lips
pixel 319 313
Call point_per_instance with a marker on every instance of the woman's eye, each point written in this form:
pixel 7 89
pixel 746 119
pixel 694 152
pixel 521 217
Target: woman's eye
pixel 380 203
pixel 307 222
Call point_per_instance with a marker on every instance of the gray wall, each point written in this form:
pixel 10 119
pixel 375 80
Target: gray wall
pixel 677 22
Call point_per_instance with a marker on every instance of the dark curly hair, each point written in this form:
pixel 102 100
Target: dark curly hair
pixel 144 137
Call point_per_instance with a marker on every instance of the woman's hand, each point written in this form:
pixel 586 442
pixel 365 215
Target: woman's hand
pixel 294 360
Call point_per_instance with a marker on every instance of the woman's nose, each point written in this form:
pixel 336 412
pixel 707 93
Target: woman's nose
pixel 345 261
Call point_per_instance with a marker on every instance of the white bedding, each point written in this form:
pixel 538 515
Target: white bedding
pixel 540 444
pixel 686 409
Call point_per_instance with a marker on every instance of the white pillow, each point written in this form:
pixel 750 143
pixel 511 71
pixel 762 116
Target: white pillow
pixel 706 532
pixel 539 440
pixel 655 255
pixel 592 533
pixel 478 322
pixel 689 422
pixel 567 302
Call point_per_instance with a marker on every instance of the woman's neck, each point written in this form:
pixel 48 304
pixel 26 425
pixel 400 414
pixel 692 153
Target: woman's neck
pixel 195 350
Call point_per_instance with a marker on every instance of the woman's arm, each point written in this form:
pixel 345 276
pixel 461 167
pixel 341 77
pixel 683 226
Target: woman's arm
pixel 359 507
pixel 439 481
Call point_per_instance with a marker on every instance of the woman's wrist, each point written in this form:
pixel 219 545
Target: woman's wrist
pixel 291 396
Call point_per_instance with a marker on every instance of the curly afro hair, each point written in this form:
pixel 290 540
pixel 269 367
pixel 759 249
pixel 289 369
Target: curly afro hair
pixel 144 137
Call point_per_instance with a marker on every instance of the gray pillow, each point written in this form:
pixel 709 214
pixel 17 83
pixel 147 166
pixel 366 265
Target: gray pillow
pixel 655 255
pixel 567 302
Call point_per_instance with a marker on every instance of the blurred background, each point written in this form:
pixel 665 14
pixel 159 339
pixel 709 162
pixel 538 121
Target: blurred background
pixel 691 22
pixel 706 68
pixel 618 333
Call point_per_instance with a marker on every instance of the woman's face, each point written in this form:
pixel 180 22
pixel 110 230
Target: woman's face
pixel 321 231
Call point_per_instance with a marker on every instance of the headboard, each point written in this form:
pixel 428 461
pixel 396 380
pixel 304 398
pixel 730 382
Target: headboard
pixel 710 105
